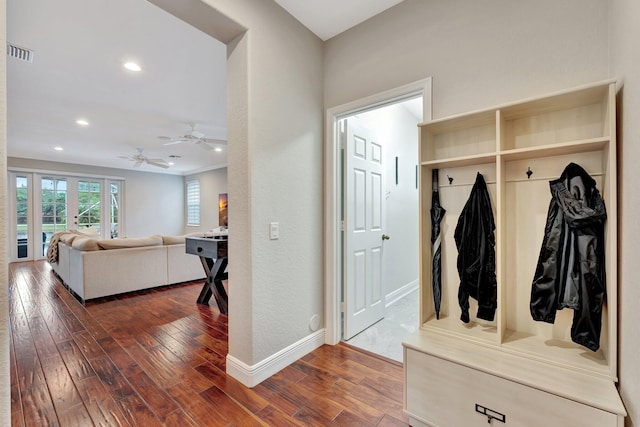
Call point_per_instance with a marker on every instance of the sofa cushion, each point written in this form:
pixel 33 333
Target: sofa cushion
pixel 173 240
pixel 130 242
pixel 68 238
pixel 89 232
pixel 85 244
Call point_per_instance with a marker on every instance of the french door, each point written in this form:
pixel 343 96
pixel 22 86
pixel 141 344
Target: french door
pixel 44 204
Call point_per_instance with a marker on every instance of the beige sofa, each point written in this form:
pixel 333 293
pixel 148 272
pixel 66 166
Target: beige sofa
pixel 94 268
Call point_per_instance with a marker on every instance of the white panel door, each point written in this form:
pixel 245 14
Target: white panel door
pixel 364 210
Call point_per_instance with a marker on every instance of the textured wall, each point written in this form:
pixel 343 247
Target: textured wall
pixel 5 391
pixel 625 51
pixel 274 87
pixel 479 53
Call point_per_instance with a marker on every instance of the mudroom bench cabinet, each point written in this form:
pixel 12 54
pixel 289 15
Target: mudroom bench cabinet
pixel 513 371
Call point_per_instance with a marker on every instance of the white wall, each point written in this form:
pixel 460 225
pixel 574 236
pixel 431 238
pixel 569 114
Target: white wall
pixel 397 129
pixel 274 90
pixel 154 202
pixel 284 155
pixel 479 53
pixel 5 388
pixel 625 65
pixel 212 183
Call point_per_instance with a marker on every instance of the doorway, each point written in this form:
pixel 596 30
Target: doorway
pixel 381 275
pixel 42 204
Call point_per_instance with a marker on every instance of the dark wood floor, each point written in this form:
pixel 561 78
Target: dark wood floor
pixel 157 358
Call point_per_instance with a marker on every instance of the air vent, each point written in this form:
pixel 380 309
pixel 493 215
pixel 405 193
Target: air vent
pixel 19 53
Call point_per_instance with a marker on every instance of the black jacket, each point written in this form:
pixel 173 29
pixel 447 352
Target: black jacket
pixel 475 240
pixel 570 271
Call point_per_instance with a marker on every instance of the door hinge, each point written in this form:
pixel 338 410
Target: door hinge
pixel 342 307
pixel 342 225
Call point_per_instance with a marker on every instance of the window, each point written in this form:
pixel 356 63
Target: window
pixel 193 202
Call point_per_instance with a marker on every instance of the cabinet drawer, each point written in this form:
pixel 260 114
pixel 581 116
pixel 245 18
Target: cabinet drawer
pixel 202 246
pixel 444 394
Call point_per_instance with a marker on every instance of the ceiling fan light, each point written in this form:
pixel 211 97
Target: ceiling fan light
pixel 132 66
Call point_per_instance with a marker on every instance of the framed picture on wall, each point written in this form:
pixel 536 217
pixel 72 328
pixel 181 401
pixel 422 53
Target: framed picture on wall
pixel 223 220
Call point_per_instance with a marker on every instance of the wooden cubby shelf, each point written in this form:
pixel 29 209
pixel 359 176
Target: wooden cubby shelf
pixel 541 136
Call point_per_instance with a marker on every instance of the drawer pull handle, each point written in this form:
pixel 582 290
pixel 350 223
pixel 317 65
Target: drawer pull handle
pixel 491 414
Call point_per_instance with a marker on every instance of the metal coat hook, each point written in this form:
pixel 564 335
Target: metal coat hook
pixel 529 172
pixel 450 179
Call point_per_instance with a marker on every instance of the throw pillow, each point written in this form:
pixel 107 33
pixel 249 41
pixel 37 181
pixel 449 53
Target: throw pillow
pixel 85 244
pixel 134 242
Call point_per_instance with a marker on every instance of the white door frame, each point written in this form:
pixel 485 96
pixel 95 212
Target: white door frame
pixel 332 192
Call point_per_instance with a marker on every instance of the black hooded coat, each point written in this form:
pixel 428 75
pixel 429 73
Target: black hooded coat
pixel 570 272
pixel 475 240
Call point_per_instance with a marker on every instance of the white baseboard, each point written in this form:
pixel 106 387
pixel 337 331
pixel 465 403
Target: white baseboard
pixel 401 292
pixel 251 376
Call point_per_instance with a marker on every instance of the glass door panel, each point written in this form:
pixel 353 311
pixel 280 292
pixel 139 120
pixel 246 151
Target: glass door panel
pixel 54 209
pixel 41 205
pixel 89 196
pixel 114 209
pixel 22 216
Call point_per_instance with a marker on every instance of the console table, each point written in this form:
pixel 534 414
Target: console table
pixel 207 248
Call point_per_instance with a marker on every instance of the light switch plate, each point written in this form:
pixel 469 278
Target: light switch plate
pixel 274 231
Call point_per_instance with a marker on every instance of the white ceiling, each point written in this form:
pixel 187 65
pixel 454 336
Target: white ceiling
pixel 328 18
pixel 79 49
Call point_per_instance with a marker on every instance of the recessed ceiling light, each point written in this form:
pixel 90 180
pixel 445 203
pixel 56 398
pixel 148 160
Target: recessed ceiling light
pixel 218 149
pixel 82 122
pixel 58 148
pixel 171 163
pixel 132 66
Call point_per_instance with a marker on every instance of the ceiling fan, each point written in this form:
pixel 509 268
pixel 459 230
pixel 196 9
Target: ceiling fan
pixel 139 159
pixel 195 137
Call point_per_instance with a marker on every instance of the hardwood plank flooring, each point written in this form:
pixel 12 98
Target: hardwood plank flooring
pixel 157 358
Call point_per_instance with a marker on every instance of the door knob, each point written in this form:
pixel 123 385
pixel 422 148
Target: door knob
pixel 385 237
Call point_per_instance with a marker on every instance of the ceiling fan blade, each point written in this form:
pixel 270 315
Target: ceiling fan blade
pixel 137 164
pixel 155 162
pixel 166 138
pixel 179 141
pixel 215 141
pixel 204 144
